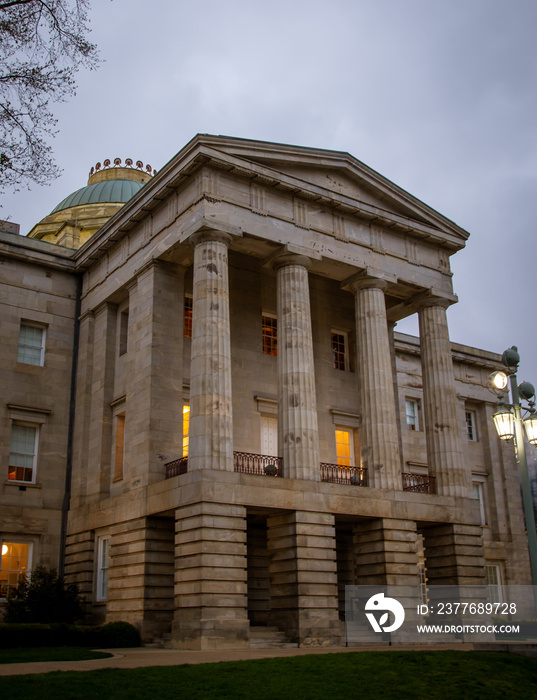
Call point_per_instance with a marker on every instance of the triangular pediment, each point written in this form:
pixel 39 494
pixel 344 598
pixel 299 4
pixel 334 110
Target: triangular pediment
pixel 341 176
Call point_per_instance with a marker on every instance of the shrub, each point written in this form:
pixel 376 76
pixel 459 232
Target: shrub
pixel 109 636
pixel 44 597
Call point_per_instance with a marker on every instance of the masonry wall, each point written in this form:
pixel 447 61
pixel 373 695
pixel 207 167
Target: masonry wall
pixel 38 290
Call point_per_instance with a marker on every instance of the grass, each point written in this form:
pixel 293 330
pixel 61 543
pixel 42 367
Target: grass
pixel 388 675
pixel 24 656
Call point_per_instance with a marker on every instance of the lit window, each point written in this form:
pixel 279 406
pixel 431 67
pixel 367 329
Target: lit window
pixel 186 425
pixel 344 448
pixel 31 344
pixel 270 334
pixel 339 350
pixel 120 446
pixel 102 568
pixel 412 414
pixel 471 426
pixel 23 454
pixel 15 564
pixel 188 317
pixel 478 494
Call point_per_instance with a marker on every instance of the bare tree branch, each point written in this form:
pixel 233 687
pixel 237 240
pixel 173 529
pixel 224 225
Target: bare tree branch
pixel 43 43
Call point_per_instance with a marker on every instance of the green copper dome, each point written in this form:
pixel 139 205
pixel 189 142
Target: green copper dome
pixel 117 191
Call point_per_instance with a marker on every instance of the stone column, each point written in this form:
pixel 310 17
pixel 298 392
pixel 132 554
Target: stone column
pixel 379 434
pixel 297 408
pixel 303 586
pixel 211 422
pixel 211 601
pixel 141 575
pixel 443 428
pixel 153 421
pixel 100 424
pixel 84 383
pixel 454 555
pixel 386 553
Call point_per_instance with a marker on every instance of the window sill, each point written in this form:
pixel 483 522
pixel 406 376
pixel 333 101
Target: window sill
pixel 12 482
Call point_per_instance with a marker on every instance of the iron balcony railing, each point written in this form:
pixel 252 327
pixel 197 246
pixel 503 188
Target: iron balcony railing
pixel 178 466
pixel 244 462
pixel 265 465
pixel 419 483
pixel 350 476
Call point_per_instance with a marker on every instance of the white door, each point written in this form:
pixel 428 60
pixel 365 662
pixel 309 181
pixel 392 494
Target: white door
pixel 269 436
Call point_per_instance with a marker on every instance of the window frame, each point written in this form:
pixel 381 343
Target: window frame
pixel 24 323
pixel 36 428
pixel 351 458
pixel 415 426
pixel 480 482
pixel 185 427
pixel 101 571
pixel 498 584
pixel 345 365
pixel 11 540
pixel 188 315
pixel 269 340
pixel 471 425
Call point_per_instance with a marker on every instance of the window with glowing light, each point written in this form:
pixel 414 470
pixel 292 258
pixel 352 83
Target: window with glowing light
pixel 15 564
pixel 344 448
pixel 270 334
pixel 186 425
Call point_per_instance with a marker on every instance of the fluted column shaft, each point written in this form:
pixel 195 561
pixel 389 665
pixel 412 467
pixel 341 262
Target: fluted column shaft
pixel 379 434
pixel 297 407
pixel 442 425
pixel 211 423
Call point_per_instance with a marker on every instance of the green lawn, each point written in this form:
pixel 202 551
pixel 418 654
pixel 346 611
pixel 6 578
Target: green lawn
pixel 22 656
pixel 385 675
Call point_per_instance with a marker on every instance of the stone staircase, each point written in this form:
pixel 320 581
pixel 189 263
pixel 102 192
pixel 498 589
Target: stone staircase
pixel 162 642
pixel 260 638
pixel 269 638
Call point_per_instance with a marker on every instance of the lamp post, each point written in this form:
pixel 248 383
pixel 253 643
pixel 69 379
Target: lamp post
pixel 508 422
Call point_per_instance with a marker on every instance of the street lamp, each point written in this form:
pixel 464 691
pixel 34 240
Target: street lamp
pixel 508 422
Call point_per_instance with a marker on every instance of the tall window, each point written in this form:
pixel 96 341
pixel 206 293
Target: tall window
pixel 478 489
pixel 23 454
pixel 120 446
pixel 188 317
pixel 412 414
pixel 471 425
pixel 270 334
pixel 186 425
pixel 494 583
pixel 344 448
pixel 123 331
pixel 102 568
pixel 340 358
pixel 14 564
pixel 31 344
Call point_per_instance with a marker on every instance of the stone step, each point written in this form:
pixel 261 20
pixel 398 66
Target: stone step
pixel 269 638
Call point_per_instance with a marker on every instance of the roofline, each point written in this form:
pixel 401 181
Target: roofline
pixel 200 150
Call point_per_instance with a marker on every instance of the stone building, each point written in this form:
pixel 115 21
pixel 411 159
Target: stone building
pixel 245 432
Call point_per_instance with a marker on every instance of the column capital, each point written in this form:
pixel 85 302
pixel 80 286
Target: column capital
pixel 286 259
pixel 433 300
pixel 363 280
pixel 207 235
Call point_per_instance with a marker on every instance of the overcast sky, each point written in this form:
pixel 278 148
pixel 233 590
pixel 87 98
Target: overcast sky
pixel 438 96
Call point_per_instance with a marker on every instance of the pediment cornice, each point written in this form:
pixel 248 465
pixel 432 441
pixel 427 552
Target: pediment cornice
pixel 264 163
